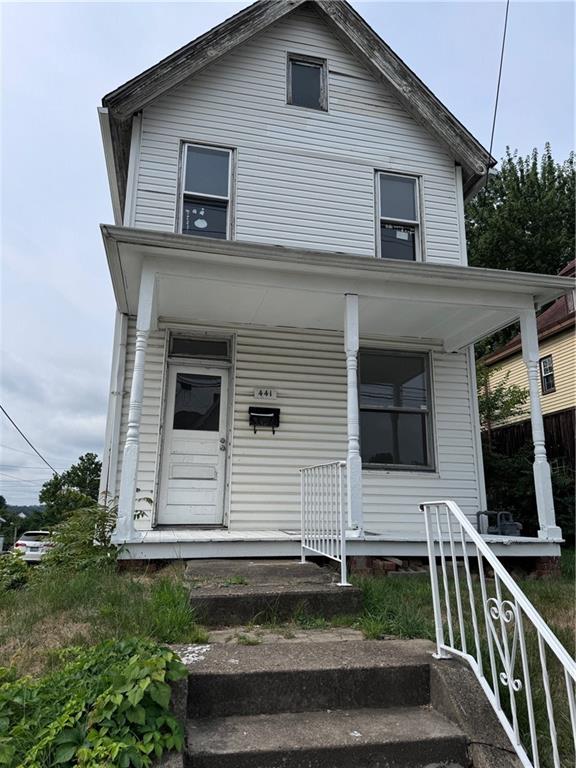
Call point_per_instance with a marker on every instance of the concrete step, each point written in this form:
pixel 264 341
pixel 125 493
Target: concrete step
pixel 266 679
pixel 367 738
pixel 232 592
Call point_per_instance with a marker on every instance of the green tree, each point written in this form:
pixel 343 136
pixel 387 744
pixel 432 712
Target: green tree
pixel 3 504
pixel 498 402
pixel 75 488
pixel 523 219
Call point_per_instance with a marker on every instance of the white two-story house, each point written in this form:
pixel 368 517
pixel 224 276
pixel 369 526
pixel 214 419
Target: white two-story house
pixel 288 259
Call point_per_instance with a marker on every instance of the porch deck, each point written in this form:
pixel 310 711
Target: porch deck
pixel 191 543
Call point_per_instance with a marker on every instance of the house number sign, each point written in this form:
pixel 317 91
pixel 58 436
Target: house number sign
pixel 264 393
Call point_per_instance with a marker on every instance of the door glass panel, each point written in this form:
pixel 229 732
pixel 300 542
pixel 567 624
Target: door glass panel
pixel 197 402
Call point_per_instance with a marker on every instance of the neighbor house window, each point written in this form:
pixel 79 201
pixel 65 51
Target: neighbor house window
pixel 395 410
pixel 206 191
pixel 399 217
pixel 547 375
pixel 307 82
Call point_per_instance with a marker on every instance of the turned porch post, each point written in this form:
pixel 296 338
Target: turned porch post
pixel 145 322
pixel 353 459
pixel 542 478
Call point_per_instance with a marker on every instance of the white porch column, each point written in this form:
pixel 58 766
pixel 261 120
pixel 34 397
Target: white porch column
pixel 353 459
pixel 542 478
pixel 145 322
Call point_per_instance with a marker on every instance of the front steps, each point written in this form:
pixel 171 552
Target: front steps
pixel 234 592
pixel 342 704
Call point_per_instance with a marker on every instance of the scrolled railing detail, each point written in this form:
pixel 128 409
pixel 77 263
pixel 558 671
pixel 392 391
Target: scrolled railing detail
pixel 512 651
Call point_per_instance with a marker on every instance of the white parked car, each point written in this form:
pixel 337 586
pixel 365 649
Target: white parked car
pixel 33 545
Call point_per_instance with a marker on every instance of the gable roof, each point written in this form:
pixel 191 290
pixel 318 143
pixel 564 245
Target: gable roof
pixel 129 99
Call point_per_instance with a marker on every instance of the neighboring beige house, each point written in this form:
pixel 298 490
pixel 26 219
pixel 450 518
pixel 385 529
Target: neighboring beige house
pixel 557 369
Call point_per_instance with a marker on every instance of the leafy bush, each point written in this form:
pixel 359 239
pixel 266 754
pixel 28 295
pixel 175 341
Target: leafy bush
pixel 82 540
pixel 510 487
pixel 14 571
pixel 105 705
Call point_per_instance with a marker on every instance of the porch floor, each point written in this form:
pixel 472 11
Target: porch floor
pixel 190 543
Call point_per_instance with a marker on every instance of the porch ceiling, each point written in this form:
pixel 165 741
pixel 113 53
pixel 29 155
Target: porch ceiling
pixel 225 282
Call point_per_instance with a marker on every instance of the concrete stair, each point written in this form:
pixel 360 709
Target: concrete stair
pixel 335 704
pixel 234 592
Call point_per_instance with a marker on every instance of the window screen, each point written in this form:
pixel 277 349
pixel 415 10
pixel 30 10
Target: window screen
pixel 395 416
pixel 206 191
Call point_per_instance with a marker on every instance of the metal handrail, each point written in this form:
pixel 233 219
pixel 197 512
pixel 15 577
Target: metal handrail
pixel 504 617
pixel 323 510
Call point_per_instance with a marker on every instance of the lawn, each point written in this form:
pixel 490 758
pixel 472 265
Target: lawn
pixel 88 607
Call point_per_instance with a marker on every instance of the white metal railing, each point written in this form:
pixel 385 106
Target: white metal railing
pixel 323 505
pixel 525 672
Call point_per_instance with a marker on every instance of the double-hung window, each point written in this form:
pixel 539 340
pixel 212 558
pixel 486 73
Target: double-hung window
pixel 395 409
pixel 399 217
pixel 206 191
pixel 547 375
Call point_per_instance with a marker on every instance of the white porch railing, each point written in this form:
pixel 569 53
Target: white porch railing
pixel 524 670
pixel 324 517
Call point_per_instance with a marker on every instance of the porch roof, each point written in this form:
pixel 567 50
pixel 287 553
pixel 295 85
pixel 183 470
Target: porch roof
pixel 221 282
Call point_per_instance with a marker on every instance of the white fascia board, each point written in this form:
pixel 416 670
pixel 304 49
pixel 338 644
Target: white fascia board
pixel 104 119
pixel 356 274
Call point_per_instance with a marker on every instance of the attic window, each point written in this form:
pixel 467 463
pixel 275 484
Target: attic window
pixel 206 191
pixel 307 82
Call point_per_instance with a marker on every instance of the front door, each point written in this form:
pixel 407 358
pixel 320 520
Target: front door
pixel 193 468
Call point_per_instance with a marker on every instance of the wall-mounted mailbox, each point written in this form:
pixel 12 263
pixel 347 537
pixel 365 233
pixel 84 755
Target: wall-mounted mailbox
pixel 264 418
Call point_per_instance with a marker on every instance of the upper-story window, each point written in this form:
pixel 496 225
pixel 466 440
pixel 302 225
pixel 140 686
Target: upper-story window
pixel 399 217
pixel 206 191
pixel 307 82
pixel 547 375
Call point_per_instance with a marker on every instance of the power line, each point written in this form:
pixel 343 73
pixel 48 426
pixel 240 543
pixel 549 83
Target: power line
pixel 17 428
pixel 498 87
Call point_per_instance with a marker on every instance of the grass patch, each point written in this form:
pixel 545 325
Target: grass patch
pixel 88 607
pixel 234 581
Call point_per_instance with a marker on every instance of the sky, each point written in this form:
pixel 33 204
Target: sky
pixel 59 59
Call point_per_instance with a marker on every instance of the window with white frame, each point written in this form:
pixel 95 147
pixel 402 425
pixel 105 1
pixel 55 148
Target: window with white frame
pixel 399 217
pixel 395 409
pixel 206 174
pixel 547 375
pixel 307 82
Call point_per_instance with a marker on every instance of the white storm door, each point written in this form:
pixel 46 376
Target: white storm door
pixel 194 456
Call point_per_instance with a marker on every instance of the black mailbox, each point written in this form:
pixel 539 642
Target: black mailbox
pixel 264 418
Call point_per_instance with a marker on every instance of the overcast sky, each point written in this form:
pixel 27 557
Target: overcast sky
pixel 59 59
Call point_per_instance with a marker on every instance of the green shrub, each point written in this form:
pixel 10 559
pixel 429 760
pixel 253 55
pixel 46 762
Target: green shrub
pixel 82 541
pixel 14 571
pixel 107 705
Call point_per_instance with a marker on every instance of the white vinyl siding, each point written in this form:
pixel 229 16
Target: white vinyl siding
pixel 307 369
pixel 305 178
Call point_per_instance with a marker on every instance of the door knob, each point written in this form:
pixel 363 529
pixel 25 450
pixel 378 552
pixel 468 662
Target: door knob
pixel 222 443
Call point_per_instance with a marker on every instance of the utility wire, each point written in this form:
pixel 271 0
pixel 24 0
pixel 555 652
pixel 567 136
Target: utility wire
pixel 17 428
pixel 498 88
